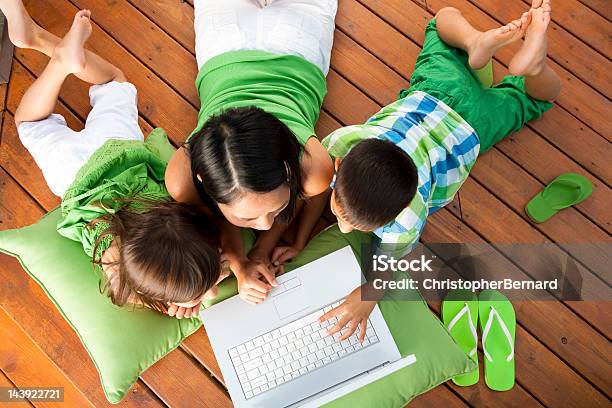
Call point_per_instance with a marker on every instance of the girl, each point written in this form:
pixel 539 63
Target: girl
pixel 253 154
pixel 152 252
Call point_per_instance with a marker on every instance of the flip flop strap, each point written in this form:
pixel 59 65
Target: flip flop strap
pixel 464 310
pixel 485 333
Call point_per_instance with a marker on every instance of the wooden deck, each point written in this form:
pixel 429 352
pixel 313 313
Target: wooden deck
pixel 563 352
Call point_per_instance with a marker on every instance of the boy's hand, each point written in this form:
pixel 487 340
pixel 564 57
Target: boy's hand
pixel 175 310
pixel 353 312
pixel 255 280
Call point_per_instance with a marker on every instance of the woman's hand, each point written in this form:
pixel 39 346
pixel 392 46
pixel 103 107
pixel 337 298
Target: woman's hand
pixel 282 254
pixel 186 310
pixel 255 279
pixel 353 312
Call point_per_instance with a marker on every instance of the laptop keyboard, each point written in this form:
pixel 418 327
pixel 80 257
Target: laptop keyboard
pixel 293 350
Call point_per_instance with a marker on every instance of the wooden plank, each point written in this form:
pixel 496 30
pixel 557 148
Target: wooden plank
pixel 180 382
pixel 493 169
pixel 437 397
pixel 496 223
pixel 601 7
pixel 199 347
pixel 17 161
pixel 158 102
pixel 568 51
pixel 28 305
pixel 587 148
pixel 6 382
pixel 3 91
pixel 545 163
pixel 480 395
pixel 174 13
pixel 584 23
pixel 14 157
pixel 12 215
pixel 147 42
pixel 360 67
pixel 326 125
pixel 28 366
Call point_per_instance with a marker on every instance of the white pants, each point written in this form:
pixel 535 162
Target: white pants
pixel 297 27
pixel 60 151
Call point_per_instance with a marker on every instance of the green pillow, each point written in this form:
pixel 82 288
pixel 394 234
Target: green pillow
pixel 414 327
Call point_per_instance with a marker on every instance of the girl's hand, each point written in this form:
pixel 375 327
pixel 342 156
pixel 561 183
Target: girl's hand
pixel 282 254
pixel 180 310
pixel 353 312
pixel 255 280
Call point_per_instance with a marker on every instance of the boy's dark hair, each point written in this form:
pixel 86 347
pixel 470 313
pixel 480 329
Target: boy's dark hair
pixel 245 150
pixel 168 252
pixel 375 182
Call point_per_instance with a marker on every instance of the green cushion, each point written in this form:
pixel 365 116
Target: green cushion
pixel 414 327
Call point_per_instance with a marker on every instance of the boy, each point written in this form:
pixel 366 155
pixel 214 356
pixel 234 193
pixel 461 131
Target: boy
pixel 409 159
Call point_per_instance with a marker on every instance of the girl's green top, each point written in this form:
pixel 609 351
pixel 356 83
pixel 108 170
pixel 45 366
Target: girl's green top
pixel 286 86
pixel 119 169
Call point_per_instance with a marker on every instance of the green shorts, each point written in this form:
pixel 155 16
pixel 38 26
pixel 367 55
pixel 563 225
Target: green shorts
pixel 443 72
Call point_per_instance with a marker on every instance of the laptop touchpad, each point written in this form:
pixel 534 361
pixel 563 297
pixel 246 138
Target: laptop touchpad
pixel 291 302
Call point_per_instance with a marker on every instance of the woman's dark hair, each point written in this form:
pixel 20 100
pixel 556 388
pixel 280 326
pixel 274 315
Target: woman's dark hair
pixel 375 182
pixel 245 150
pixel 168 252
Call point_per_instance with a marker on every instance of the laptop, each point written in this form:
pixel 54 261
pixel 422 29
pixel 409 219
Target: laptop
pixel 277 354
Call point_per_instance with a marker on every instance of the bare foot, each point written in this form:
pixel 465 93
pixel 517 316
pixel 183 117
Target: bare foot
pixel 70 52
pixel 484 46
pixel 536 4
pixel 23 31
pixel 531 57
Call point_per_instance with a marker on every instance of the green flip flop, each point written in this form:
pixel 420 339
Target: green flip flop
pixel 460 316
pixel 498 325
pixel 485 74
pixel 566 190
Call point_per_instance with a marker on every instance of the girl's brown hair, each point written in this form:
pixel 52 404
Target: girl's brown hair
pixel 168 252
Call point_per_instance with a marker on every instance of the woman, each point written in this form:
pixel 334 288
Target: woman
pixel 254 153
